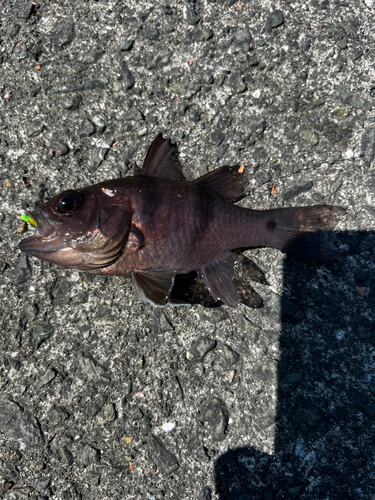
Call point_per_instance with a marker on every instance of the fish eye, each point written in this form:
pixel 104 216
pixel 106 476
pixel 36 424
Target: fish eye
pixel 68 202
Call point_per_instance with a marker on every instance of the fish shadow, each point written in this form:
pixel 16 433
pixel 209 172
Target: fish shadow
pixel 325 420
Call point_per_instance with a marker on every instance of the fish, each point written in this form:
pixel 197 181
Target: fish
pixel 156 225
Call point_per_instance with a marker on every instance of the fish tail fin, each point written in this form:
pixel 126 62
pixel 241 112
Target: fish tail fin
pixel 303 231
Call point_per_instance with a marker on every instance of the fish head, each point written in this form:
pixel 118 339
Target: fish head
pixel 84 229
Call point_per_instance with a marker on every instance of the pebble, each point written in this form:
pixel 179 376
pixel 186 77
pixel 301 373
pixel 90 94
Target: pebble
pixel 22 10
pixel 215 415
pixel 19 424
pixel 152 33
pixel 352 99
pixel 310 136
pixel 109 412
pixel 87 128
pixel 356 54
pixel 99 123
pixel 59 148
pixel 125 45
pixel 46 378
pixel 190 16
pixel 62 33
pixel 42 330
pixel 200 348
pixel 127 76
pixel 22 228
pixel 159 453
pixel 72 102
pixel 297 189
pixel 9 184
pixel 242 38
pixel 87 455
pixel 203 34
pixel 34 128
pixel 57 415
pixel 275 19
pixel 217 138
pixel 23 270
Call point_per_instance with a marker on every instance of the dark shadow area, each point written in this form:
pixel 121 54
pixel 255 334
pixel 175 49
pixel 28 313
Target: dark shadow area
pixel 325 423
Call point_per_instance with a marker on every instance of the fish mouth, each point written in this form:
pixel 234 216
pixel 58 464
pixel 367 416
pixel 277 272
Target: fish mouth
pixel 44 239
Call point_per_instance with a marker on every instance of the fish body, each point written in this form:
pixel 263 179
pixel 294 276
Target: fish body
pixel 156 224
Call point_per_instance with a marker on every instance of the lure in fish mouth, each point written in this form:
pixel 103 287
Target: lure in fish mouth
pixel 156 224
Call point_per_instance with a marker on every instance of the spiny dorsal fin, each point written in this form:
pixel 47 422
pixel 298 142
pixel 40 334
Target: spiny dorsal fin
pixel 228 182
pixel 161 160
pixel 218 277
pixel 154 287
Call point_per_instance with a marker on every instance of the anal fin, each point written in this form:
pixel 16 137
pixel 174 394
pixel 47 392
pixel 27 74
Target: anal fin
pixel 218 277
pixel 154 287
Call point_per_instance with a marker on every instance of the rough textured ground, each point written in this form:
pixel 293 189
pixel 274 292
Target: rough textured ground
pixel 105 398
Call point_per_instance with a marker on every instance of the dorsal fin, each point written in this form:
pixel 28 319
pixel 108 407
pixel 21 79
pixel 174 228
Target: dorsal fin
pixel 228 182
pixel 161 160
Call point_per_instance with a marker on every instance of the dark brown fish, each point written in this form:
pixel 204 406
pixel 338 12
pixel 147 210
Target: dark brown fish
pixel 156 225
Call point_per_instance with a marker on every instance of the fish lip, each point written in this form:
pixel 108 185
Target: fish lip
pixel 42 241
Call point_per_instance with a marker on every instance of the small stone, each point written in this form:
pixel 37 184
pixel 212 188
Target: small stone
pixel 95 405
pixel 336 185
pixel 340 112
pixel 133 114
pixel 18 424
pixel 42 331
pixel 342 44
pixel 57 415
pixel 204 34
pixel 87 128
pixel 22 228
pixel 254 62
pixel 9 184
pixel 217 138
pixel 251 329
pixel 59 148
pixel 109 412
pixel 72 102
pixel 205 494
pixel 152 33
pixel 92 369
pixel 294 104
pixel 214 414
pixel 87 455
pixel 127 76
pixel 12 30
pixel 310 136
pixel 125 45
pixel 34 128
pixel 22 10
pixel 356 54
pixel 46 378
pixel 164 459
pixel 23 270
pixel 297 189
pixel 194 116
pixel 200 348
pixel 207 78
pixel 99 123
pixel 62 33
pixel 242 38
pixel 274 20
pixel 237 83
pixel 190 16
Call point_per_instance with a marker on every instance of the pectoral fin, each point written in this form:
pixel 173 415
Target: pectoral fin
pixel 218 277
pixel 154 287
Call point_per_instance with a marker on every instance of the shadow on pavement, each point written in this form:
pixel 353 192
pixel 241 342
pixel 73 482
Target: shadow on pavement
pixel 325 423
